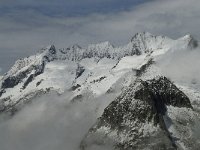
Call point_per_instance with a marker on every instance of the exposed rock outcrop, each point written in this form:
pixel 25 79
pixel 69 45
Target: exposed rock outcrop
pixel 137 115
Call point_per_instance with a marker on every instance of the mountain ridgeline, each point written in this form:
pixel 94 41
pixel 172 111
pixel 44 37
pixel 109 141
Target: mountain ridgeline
pixel 138 107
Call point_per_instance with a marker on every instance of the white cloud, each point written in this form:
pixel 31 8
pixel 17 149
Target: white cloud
pixel 182 66
pixel 49 123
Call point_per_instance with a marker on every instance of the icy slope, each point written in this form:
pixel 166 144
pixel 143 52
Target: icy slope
pixel 94 69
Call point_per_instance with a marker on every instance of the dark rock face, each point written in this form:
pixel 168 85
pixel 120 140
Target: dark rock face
pixel 49 54
pixel 73 88
pixel 38 70
pixel 2 91
pixel 193 43
pixel 155 94
pixel 98 80
pixel 38 83
pixel 142 103
pixel 79 71
pixel 52 49
pixel 163 92
pixel 12 81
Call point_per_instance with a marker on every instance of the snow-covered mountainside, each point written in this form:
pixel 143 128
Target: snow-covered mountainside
pixel 139 117
pixel 81 69
pixel 145 107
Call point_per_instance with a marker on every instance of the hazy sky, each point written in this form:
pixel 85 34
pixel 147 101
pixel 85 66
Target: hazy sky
pixel 28 25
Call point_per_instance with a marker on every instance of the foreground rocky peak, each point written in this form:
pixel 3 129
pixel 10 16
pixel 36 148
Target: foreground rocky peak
pixel 138 112
pixel 163 92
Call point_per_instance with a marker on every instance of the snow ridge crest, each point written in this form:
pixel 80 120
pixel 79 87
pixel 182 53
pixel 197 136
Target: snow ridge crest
pixel 141 43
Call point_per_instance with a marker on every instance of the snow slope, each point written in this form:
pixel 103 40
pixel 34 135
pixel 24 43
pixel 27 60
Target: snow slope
pixel 95 68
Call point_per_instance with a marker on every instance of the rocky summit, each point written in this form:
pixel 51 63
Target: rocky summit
pixel 143 103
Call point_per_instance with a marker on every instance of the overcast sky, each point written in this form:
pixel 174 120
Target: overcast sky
pixel 28 25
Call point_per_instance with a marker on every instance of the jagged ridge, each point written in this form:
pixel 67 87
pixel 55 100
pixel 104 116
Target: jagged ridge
pixel 26 71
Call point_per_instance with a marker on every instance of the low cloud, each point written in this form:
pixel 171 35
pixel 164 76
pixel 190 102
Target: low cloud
pixel 182 66
pixel 49 123
pixel 52 122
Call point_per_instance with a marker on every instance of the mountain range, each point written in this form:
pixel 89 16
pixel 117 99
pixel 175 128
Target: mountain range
pixel 136 105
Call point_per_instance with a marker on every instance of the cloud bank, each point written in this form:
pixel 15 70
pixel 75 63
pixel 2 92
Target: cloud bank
pixel 52 122
pixel 49 123
pixel 182 66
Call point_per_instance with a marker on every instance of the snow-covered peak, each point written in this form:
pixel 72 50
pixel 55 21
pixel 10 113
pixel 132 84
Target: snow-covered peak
pixel 48 53
pixel 189 41
pixel 187 36
pixel 145 42
pixel 44 55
